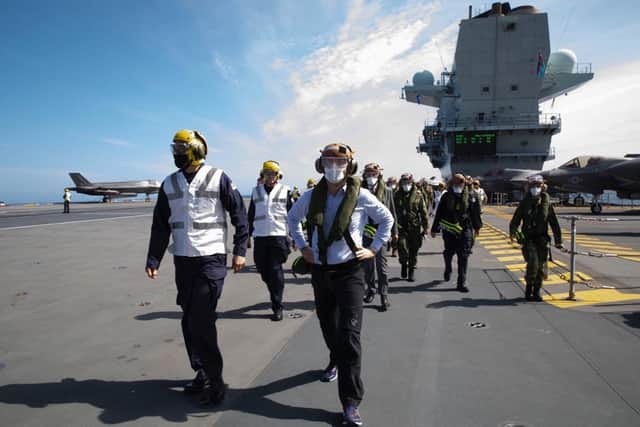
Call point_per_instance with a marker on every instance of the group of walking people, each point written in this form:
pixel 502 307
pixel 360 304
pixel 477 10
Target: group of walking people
pixel 341 225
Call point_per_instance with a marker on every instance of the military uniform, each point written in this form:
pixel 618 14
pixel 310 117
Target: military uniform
pixel 457 216
pixel 536 215
pixel 412 218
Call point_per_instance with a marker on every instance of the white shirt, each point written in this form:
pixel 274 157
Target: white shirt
pixel 368 206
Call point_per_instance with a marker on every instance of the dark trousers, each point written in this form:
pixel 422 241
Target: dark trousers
pixel 199 281
pixel 409 243
pixel 460 245
pixel 338 297
pixel 371 266
pixel 535 252
pixel 66 207
pixel 269 253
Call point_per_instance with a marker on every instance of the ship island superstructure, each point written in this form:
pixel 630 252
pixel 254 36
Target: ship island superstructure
pixel 489 115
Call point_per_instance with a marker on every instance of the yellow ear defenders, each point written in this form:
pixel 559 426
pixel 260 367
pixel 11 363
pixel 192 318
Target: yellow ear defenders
pixel 272 166
pixel 339 150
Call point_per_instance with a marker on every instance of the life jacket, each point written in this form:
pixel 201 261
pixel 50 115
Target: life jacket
pixel 270 211
pixel 370 228
pixel 198 220
pixel 535 215
pixel 340 227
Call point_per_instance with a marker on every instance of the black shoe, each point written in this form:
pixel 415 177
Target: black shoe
pixel 330 374
pixel 536 297
pixel 384 303
pixel 528 297
pixel 447 275
pixel 368 298
pixel 277 316
pixel 212 396
pixel 403 271
pixel 411 277
pixel 462 288
pixel 196 385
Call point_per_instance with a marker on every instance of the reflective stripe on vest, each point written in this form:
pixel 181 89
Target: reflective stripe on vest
pixel 270 211
pixel 198 219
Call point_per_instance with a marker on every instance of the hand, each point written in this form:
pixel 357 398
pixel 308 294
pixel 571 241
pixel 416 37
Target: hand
pixel 559 246
pixel 364 253
pixel 307 254
pixel 237 263
pixel 433 234
pixel 152 273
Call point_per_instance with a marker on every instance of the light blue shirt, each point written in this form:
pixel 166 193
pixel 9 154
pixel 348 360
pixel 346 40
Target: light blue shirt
pixel 368 206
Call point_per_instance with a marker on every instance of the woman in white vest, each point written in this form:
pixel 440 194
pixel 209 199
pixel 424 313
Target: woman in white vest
pixel 270 202
pixel 191 207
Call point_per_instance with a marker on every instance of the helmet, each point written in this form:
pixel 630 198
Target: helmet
pixel 338 150
pixel 406 177
pixel 458 179
pixel 535 179
pixel 271 166
pixel 310 182
pixel 191 143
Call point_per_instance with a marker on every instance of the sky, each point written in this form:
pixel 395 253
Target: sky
pixel 101 87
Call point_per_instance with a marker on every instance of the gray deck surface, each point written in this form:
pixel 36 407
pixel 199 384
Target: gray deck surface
pixel 86 339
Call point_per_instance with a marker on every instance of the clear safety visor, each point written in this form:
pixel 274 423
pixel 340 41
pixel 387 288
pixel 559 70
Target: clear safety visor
pixel 334 162
pixel 178 148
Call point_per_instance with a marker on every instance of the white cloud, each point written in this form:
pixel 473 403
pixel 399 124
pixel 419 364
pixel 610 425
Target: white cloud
pixel 116 141
pixel 224 68
pixel 350 92
pixel 600 118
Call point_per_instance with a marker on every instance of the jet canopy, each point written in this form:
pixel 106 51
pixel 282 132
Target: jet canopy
pixel 581 162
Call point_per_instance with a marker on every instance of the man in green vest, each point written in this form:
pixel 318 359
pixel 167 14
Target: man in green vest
pixel 413 224
pixel 536 214
pixel 373 182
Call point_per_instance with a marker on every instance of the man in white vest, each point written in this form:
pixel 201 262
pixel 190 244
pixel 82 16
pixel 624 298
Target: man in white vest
pixel 270 202
pixel 192 206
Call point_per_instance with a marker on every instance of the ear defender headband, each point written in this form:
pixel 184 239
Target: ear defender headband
pixel 352 166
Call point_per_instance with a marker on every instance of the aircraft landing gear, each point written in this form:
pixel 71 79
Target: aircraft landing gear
pixel 596 207
pixel 578 201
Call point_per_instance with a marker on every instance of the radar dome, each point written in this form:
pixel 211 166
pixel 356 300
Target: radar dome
pixel 423 78
pixel 562 61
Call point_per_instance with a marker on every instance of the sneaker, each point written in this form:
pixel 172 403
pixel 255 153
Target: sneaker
pixel 197 384
pixel 368 298
pixel 329 375
pixel 351 416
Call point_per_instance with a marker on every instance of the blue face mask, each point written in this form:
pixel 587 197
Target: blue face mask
pixel 535 191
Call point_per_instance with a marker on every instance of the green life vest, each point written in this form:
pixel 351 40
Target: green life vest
pixel 340 226
pixel 535 215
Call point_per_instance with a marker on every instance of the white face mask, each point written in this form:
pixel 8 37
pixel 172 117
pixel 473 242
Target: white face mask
pixel 535 191
pixel 334 175
pixel 458 188
pixel 371 181
pixel 406 187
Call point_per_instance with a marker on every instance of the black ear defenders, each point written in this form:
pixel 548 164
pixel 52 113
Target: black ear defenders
pixel 352 166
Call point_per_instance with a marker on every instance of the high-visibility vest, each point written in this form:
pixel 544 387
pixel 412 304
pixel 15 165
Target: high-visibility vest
pixel 270 211
pixel 198 219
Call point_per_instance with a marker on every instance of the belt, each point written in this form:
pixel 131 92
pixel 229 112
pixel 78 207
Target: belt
pixel 352 264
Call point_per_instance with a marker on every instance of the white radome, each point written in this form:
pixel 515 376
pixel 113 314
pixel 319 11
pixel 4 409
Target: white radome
pixel 423 78
pixel 562 61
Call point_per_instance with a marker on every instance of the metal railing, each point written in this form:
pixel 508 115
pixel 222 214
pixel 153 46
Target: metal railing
pixel 522 121
pixel 582 68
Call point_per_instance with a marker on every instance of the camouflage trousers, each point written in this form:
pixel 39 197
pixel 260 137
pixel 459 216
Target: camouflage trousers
pixel 409 243
pixel 535 253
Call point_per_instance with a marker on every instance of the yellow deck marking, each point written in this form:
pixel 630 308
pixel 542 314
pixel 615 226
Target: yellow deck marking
pixel 506 252
pixel 596 296
pixel 510 258
pixel 632 258
pixel 557 263
pixel 517 267
pixel 626 253
pixel 500 246
pixel 563 279
pixel 492 239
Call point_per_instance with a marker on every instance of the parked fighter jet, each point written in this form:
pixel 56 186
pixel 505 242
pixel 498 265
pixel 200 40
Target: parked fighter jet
pixel 113 189
pixel 594 174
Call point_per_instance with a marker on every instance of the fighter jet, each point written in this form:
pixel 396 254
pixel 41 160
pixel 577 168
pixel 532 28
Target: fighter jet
pixel 109 190
pixel 594 174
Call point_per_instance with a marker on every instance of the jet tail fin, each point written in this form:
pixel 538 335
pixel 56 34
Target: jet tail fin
pixel 79 180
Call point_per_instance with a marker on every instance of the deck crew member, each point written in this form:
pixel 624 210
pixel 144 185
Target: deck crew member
pixel 336 212
pixel 378 265
pixel 67 200
pixel 268 209
pixel 413 224
pixel 536 214
pixel 191 207
pixel 458 217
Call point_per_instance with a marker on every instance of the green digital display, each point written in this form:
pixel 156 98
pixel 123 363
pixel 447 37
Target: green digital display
pixel 474 143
